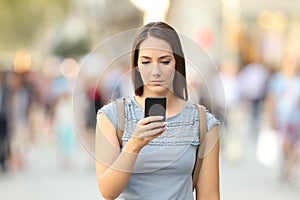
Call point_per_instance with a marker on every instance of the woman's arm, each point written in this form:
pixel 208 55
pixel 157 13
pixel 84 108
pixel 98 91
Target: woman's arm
pixel 111 178
pixel 113 168
pixel 208 182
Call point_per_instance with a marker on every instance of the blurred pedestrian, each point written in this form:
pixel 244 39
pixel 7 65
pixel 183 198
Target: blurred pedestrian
pixel 94 102
pixel 4 131
pixel 284 97
pixel 229 77
pixel 63 124
pixel 230 104
pixel 18 106
pixel 252 81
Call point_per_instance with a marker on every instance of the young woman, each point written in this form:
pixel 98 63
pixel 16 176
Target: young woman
pixel 156 159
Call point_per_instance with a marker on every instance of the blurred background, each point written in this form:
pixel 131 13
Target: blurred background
pixel 44 43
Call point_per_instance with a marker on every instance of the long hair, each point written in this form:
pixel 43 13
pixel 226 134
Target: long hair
pixel 165 32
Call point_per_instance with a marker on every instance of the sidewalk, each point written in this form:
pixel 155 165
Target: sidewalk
pixel 248 180
pixel 43 179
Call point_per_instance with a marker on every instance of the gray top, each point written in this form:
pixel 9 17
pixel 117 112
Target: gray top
pixel 163 169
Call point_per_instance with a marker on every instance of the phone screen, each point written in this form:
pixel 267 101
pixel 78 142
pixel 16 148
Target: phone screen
pixel 155 106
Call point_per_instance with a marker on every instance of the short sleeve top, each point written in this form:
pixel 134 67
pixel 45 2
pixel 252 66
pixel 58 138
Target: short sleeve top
pixel 167 159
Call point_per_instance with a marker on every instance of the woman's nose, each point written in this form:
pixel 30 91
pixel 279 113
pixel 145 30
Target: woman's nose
pixel 156 69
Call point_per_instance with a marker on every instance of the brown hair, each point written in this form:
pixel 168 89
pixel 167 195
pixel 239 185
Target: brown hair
pixel 165 32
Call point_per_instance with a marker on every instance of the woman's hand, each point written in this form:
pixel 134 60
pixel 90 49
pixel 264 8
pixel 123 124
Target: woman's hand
pixel 113 166
pixel 146 130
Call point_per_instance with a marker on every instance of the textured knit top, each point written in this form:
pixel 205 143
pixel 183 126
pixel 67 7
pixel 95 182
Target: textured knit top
pixel 163 169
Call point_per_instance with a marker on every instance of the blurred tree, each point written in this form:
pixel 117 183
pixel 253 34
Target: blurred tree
pixel 68 48
pixel 21 21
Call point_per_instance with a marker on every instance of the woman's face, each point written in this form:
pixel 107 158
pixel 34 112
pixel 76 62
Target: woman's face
pixel 156 64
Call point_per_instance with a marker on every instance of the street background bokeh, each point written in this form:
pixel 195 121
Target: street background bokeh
pixel 44 46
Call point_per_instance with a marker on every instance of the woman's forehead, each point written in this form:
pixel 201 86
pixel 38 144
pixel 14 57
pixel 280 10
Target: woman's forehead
pixel 152 43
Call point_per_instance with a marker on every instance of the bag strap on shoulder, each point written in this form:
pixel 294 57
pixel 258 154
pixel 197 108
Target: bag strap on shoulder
pixel 121 119
pixel 202 132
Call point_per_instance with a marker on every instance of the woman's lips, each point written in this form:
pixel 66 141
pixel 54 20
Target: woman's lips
pixel 156 82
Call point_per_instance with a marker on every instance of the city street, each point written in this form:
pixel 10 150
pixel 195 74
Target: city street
pixel 43 179
pixel 62 61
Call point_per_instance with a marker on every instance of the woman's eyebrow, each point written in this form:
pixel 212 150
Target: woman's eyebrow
pixel 166 56
pixel 161 57
pixel 146 57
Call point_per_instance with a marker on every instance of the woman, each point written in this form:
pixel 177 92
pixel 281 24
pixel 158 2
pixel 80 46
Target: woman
pixel 157 158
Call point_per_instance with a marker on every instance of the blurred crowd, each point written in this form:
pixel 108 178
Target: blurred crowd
pixel 254 91
pixel 29 108
pixel 36 105
pixel 269 99
pixel 57 70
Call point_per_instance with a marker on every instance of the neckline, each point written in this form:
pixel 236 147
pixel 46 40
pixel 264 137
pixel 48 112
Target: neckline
pixel 167 118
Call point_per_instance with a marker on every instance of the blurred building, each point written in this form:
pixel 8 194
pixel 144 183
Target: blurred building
pixel 239 28
pixel 224 28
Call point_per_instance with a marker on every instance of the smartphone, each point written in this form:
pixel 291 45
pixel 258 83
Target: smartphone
pixel 155 106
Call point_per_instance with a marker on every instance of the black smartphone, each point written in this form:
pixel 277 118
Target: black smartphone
pixel 155 106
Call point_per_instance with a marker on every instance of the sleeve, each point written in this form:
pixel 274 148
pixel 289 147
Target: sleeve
pixel 110 110
pixel 211 121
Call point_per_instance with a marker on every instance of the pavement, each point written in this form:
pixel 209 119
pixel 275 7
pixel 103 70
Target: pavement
pixel 249 180
pixel 44 179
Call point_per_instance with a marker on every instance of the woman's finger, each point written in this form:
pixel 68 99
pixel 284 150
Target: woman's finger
pixel 150 119
pixel 154 125
pixel 154 132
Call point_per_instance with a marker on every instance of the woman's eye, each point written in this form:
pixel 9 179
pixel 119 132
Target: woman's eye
pixel 166 62
pixel 145 62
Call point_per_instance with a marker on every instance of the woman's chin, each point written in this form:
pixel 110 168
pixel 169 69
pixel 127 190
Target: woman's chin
pixel 158 89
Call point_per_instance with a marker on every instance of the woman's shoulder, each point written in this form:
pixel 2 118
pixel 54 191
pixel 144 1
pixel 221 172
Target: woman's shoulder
pixel 211 120
pixel 110 110
pixel 107 107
